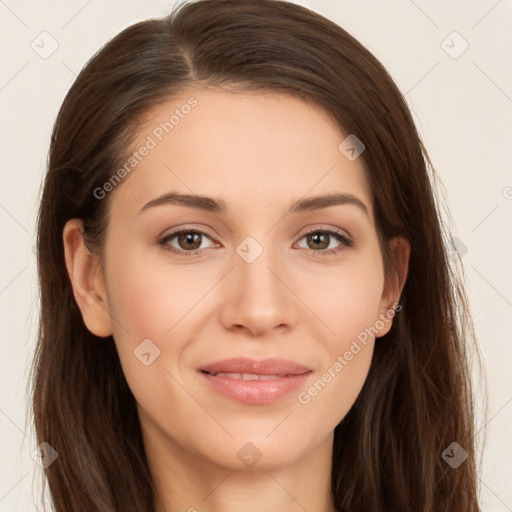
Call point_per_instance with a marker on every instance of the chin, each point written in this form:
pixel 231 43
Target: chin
pixel 254 449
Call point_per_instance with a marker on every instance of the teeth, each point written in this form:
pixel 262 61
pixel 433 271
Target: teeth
pixel 268 377
pixel 247 376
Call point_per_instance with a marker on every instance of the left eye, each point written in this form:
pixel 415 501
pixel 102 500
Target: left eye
pixel 321 239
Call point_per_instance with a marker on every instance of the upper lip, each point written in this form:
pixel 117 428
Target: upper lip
pixel 271 366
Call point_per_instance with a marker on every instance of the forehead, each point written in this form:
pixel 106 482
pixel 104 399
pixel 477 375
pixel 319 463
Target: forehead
pixel 254 150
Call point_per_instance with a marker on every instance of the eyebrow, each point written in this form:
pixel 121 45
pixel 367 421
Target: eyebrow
pixel 218 206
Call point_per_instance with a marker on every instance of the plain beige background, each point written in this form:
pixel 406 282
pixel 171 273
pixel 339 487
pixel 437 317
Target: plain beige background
pixel 451 60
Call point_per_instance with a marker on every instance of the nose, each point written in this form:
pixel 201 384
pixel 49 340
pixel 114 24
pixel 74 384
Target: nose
pixel 258 297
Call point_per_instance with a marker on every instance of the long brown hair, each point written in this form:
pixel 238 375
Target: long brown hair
pixel 417 398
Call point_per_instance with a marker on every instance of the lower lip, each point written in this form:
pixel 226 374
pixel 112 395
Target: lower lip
pixel 256 392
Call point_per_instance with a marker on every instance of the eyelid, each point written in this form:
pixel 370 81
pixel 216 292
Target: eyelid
pixel 176 230
pixel 329 229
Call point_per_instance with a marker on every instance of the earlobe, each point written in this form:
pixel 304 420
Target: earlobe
pixel 400 250
pixel 86 276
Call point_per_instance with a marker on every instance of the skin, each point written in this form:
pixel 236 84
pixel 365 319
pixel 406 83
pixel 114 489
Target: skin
pixel 259 153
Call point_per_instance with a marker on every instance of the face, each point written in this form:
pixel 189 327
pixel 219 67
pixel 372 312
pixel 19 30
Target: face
pixel 292 288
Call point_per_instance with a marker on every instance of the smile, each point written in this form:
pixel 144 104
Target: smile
pixel 254 382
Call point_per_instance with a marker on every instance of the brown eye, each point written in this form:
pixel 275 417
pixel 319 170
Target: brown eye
pixel 319 240
pixel 323 242
pixel 186 242
pixel 189 240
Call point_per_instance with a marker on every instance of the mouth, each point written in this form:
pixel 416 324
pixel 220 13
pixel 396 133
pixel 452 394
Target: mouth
pixel 255 382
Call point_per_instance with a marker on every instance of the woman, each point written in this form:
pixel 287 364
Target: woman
pixel 246 301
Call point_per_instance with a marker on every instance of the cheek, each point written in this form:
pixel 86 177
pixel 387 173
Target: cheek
pixel 347 303
pixel 150 299
pixel 348 355
pixel 152 310
pixel 346 300
pixel 150 306
pixel 328 398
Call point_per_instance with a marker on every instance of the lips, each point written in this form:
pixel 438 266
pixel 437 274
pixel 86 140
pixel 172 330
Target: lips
pixel 255 382
pixel 245 365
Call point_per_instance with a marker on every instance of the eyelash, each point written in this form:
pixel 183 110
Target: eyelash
pixel 338 235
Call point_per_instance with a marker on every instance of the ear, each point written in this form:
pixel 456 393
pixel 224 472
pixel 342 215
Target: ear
pixel 86 276
pixel 400 251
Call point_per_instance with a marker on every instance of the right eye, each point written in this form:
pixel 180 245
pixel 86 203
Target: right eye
pixel 189 241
